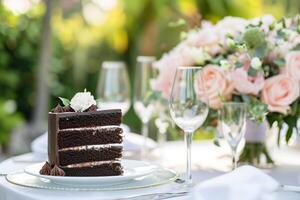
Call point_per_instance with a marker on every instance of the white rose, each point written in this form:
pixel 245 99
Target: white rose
pixel 82 101
pixel 256 63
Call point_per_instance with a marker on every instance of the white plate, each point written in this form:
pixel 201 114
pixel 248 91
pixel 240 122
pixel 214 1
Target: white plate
pixel 132 169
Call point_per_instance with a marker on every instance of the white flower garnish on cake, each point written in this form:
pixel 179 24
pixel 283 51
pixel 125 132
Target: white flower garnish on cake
pixel 82 101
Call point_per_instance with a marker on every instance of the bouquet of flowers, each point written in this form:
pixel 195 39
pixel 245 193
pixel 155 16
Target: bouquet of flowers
pixel 256 61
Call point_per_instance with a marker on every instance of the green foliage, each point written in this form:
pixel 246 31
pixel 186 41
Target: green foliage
pixel 297 47
pixel 19 42
pixel 255 41
pixel 280 62
pixel 253 152
pixel 257 111
pixel 254 38
pixel 290 120
pixel 9 119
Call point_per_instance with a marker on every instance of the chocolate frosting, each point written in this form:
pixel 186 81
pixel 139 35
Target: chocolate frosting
pixel 92 108
pixel 46 169
pixel 58 109
pixel 68 109
pixel 52 137
pixel 56 171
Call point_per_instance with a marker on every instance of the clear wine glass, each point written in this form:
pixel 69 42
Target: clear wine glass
pixel 233 125
pixel 113 87
pixel 188 107
pixel 162 120
pixel 144 101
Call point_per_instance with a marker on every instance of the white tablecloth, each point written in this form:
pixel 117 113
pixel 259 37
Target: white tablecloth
pixel 207 163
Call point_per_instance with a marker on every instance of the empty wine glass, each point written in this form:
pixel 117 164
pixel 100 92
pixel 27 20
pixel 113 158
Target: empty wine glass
pixel 144 95
pixel 188 107
pixel 162 120
pixel 233 125
pixel 113 88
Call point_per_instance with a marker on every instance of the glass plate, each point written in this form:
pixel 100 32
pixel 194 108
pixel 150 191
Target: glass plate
pixel 132 169
pixel 159 177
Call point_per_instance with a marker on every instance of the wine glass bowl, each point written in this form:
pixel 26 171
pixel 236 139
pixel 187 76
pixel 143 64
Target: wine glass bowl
pixel 188 107
pixel 113 88
pixel 144 101
pixel 186 116
pixel 233 125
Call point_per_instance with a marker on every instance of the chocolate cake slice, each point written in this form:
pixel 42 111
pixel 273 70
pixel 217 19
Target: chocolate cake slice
pixel 86 143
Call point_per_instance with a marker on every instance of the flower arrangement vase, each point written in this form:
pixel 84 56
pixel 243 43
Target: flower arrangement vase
pixel 255 151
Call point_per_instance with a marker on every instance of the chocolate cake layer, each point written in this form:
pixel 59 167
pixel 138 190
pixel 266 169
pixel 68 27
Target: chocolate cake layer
pixel 81 155
pixel 89 136
pixel 90 119
pixel 105 169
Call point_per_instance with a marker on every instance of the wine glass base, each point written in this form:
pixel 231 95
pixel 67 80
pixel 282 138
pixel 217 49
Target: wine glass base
pixel 185 183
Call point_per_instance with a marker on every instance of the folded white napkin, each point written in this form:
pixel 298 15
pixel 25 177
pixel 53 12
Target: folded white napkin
pixel 132 142
pixel 246 182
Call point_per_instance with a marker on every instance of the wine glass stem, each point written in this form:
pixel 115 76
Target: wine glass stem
pixel 188 142
pixel 145 136
pixel 161 137
pixel 234 159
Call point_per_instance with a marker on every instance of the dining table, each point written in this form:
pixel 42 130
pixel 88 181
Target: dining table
pixel 208 161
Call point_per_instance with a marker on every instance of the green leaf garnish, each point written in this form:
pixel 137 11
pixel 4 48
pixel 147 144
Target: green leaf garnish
pixel 65 101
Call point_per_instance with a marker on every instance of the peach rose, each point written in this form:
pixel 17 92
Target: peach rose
pixel 246 84
pixel 279 92
pixel 179 56
pixel 292 67
pixel 215 86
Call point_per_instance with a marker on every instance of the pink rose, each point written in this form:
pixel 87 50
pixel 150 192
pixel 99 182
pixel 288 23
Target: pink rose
pixel 215 84
pixel 266 21
pixel 230 25
pixel 205 38
pixel 242 82
pixel 246 84
pixel 292 67
pixel 179 56
pixel 279 92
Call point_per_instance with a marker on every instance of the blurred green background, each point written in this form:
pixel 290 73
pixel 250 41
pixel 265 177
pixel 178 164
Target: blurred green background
pixel 87 32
